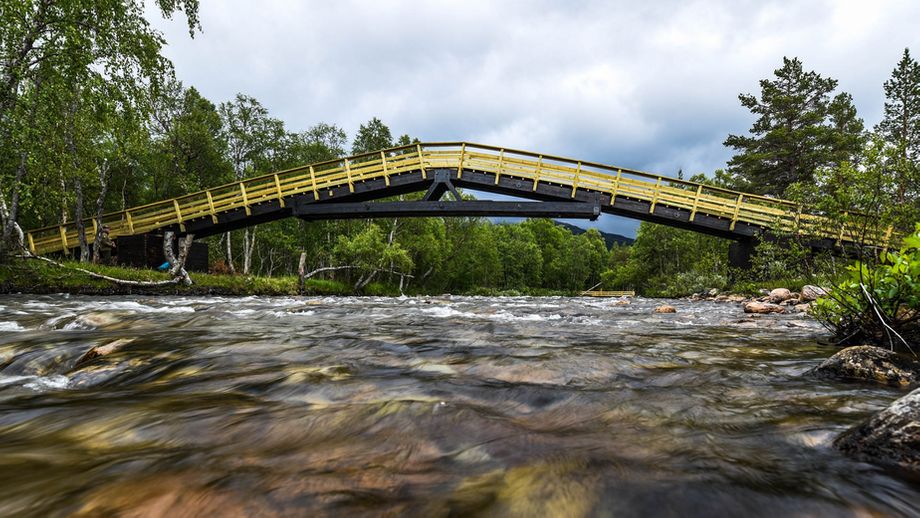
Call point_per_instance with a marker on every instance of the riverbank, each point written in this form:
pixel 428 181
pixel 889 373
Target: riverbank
pixel 35 277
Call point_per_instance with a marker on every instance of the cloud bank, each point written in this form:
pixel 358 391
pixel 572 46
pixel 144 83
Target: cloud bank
pixel 650 86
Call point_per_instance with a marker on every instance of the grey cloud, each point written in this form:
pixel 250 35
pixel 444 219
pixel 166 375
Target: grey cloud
pixel 652 86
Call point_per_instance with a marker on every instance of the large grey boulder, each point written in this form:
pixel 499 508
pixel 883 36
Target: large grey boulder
pixel 780 295
pixel 890 437
pixel 811 293
pixel 869 363
pixel 762 308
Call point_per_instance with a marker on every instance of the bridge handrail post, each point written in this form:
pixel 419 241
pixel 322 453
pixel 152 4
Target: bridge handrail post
pixel 351 185
pixel 31 242
pixel 696 202
pixel 536 176
pixel 651 209
pixel 616 187
pixel 278 188
pixel 737 212
pixel 846 218
pixel 63 232
pixel 386 174
pixel 313 179
pixel 421 162
pixel 577 177
pixel 460 164
pixel 210 206
pixel 245 200
pixel 130 220
pixel 501 164
pixel 179 214
pixel 887 240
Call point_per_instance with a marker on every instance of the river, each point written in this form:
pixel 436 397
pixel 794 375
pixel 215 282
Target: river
pixel 425 406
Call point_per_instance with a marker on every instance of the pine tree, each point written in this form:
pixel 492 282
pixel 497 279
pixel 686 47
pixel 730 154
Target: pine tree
pixel 373 136
pixel 799 129
pixel 901 125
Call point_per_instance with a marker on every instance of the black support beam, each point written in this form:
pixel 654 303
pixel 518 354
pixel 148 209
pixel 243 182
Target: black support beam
pixel 425 209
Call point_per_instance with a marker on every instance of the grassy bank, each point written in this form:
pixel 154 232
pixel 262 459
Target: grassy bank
pixel 31 276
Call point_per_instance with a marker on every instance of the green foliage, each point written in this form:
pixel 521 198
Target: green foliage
pixel 878 303
pixel 800 128
pixel 665 261
pixel 900 128
pixel 372 136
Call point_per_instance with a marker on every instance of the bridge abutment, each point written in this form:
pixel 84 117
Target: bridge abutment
pixel 741 254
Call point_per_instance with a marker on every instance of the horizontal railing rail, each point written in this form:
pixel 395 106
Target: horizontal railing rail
pixel 772 213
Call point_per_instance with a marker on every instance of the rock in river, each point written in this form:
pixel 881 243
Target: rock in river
pixel 665 309
pixel 869 363
pixel 780 295
pixel 890 437
pixel 811 293
pixel 763 307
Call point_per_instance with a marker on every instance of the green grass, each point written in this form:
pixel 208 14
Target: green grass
pixel 33 276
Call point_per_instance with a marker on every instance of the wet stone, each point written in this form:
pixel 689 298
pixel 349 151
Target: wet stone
pixel 890 437
pixel 811 293
pixel 762 308
pixel 869 363
pixel 665 309
pixel 779 295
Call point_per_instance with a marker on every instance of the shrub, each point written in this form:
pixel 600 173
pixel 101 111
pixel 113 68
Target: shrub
pixel 878 304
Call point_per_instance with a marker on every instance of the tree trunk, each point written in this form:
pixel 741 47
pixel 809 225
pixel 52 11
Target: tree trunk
pixel 177 264
pixel 78 219
pixel 301 265
pixel 229 254
pixel 249 244
pixel 100 207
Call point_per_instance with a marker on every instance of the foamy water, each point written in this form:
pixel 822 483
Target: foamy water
pixel 425 406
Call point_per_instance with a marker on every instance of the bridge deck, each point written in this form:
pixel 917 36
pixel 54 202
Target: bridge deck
pixel 521 173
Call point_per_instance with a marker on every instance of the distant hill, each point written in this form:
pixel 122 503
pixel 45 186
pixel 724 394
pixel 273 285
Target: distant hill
pixel 610 239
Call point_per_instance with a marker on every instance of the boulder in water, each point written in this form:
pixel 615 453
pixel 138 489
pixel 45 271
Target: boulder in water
pixel 811 293
pixel 665 309
pixel 869 363
pixel 762 308
pixel 890 437
pixel 780 295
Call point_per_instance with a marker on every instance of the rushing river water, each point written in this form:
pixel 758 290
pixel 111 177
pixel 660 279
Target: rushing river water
pixel 463 405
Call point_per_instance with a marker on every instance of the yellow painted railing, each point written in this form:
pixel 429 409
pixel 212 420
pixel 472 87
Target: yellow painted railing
pixel 606 293
pixel 776 214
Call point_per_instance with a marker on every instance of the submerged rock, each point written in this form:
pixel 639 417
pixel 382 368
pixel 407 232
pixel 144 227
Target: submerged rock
pixel 869 363
pixel 890 437
pixel 762 307
pixel 103 350
pixel 665 309
pixel 811 293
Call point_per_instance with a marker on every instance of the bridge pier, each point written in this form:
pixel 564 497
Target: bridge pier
pixel 741 253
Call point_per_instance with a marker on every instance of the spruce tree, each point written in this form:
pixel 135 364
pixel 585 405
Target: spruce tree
pixel 800 127
pixel 900 126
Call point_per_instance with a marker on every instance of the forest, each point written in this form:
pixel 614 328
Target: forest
pixel 93 119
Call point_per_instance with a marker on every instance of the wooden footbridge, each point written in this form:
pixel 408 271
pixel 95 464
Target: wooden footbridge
pixel 560 187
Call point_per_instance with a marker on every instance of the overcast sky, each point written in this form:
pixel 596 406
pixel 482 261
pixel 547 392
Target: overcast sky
pixel 647 85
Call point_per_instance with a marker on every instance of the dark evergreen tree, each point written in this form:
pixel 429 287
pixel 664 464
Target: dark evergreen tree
pixel 901 125
pixel 800 127
pixel 372 136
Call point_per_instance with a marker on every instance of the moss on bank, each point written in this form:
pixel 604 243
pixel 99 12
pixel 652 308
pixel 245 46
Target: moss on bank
pixel 30 276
